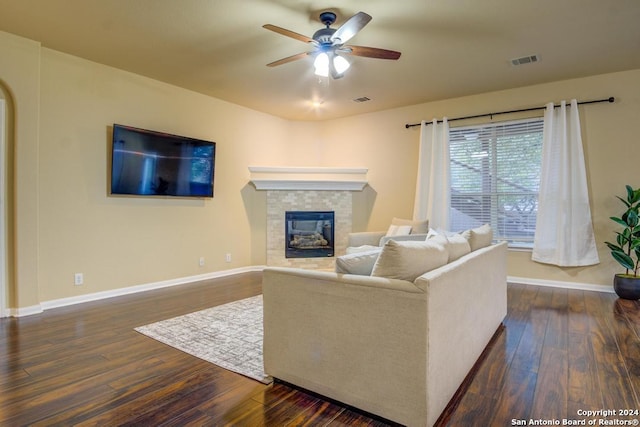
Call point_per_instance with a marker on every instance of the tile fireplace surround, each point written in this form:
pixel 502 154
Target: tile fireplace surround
pixel 307 189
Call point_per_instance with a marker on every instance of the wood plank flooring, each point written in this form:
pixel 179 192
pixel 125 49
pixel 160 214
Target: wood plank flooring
pixel 561 351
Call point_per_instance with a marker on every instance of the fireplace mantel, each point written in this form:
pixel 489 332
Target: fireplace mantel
pixel 308 178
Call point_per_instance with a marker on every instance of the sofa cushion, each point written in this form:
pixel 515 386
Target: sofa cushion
pixel 457 246
pixel 417 227
pixel 407 260
pixel 479 237
pixel 363 248
pixel 360 263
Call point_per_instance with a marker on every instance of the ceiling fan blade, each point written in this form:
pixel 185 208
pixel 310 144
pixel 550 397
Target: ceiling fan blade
pixel 350 28
pixel 288 59
pixel 371 52
pixel 289 33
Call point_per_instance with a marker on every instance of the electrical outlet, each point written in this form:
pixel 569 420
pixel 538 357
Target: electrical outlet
pixel 78 279
pixel 201 261
pixel 228 257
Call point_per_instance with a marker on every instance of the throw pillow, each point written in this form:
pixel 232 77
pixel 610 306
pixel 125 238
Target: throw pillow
pixel 360 263
pixel 417 227
pixel 398 230
pixel 431 233
pixel 408 260
pixel 457 246
pixel 479 237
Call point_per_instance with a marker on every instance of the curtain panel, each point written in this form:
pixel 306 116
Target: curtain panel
pixel 433 184
pixel 564 231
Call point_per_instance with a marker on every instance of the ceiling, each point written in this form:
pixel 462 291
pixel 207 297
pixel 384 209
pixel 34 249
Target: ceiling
pixel 449 48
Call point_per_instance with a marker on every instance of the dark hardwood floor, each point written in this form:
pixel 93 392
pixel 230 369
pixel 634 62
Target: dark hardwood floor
pixel 561 351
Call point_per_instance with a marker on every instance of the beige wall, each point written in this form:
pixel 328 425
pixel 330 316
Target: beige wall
pixel 65 223
pixel 125 241
pixel 63 220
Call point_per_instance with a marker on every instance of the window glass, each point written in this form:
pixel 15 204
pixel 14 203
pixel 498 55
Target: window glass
pixel 495 177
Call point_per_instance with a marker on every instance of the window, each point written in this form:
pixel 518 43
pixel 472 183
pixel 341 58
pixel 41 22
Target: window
pixel 495 177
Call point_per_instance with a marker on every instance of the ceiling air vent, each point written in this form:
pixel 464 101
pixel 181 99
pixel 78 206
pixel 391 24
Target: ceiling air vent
pixel 362 99
pixel 525 60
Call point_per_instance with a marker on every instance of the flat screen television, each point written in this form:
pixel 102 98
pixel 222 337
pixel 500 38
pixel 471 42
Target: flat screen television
pixel 150 163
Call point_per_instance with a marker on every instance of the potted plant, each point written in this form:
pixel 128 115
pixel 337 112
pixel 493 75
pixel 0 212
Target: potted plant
pixel 626 249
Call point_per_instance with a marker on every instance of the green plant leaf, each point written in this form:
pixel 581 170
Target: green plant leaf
pixel 632 218
pixel 625 260
pixel 630 193
pixel 621 240
pixel 619 221
pixel 614 247
pixel 624 201
pixel 633 196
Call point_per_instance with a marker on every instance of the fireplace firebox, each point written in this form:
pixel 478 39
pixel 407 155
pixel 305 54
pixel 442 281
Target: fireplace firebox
pixel 309 234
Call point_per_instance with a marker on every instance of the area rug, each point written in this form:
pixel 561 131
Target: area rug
pixel 228 335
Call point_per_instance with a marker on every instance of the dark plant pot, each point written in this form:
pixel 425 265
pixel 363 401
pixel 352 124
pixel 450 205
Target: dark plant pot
pixel 626 286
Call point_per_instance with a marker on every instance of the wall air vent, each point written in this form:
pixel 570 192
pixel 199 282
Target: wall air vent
pixel 525 60
pixel 362 99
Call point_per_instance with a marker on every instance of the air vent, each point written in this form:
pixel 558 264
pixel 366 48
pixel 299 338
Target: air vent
pixel 525 60
pixel 362 99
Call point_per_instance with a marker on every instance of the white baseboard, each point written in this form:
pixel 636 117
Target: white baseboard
pixel 62 302
pixel 24 311
pixel 560 284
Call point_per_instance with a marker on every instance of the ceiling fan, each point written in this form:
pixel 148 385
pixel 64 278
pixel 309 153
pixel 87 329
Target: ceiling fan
pixel 330 45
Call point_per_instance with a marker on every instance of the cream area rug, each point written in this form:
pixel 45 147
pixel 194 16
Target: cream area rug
pixel 228 335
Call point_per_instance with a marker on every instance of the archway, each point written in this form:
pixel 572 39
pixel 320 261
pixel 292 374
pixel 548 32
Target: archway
pixel 6 197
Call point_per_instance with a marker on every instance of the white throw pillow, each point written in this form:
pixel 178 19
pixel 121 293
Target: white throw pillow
pixel 431 233
pixel 408 260
pixel 457 246
pixel 360 263
pixel 438 238
pixel 479 237
pixel 417 227
pixel 398 230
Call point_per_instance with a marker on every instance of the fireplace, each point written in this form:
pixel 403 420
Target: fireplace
pixel 309 234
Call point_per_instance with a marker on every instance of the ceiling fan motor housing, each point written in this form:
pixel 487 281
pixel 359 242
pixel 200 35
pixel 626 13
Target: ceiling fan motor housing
pixel 323 36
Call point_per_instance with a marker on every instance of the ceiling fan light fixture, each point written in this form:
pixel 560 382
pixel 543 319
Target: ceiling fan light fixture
pixel 341 64
pixel 321 65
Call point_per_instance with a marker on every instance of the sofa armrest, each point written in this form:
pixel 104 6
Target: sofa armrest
pixel 467 302
pixel 362 238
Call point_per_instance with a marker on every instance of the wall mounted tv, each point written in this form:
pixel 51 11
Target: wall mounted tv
pixel 149 163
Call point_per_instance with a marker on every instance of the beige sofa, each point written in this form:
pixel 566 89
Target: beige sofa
pixel 418 230
pixel 391 347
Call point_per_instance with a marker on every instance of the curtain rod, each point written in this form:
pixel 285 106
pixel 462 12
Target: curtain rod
pixel 610 99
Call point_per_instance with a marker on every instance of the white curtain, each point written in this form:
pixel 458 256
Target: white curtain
pixel 564 232
pixel 433 184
